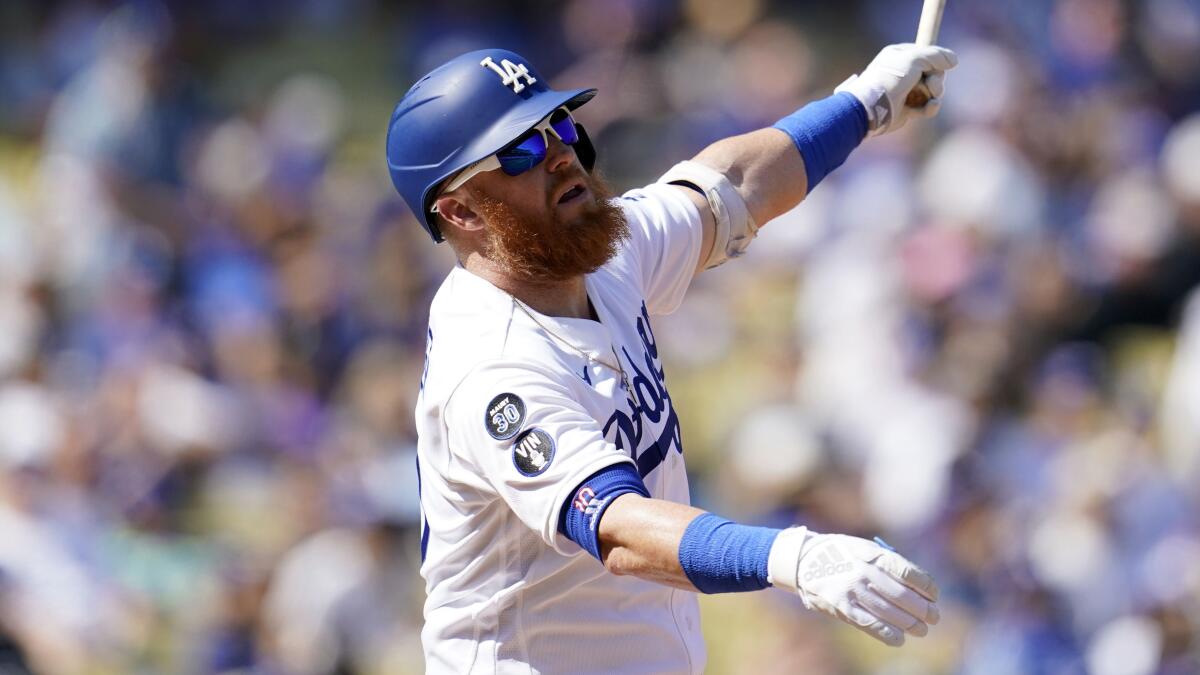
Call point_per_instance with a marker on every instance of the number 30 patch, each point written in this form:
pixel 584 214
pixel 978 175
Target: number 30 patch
pixel 504 416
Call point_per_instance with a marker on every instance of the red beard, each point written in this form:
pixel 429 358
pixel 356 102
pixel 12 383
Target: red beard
pixel 549 249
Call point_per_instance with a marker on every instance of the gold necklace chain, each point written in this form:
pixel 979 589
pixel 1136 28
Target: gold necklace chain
pixel 591 357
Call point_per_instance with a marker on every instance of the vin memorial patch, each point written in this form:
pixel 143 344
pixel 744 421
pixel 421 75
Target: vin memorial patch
pixel 533 451
pixel 504 416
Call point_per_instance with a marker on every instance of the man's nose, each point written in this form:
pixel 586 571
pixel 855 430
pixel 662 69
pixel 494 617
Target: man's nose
pixel 558 154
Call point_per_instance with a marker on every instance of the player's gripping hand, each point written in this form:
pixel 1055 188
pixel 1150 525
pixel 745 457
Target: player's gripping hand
pixel 886 83
pixel 857 581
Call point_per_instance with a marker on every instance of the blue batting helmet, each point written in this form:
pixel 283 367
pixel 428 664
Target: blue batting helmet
pixel 461 112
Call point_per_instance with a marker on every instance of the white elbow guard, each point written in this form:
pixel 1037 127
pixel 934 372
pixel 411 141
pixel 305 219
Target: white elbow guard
pixel 735 227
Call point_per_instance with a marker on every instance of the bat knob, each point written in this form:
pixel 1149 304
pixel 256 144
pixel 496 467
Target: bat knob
pixel 919 96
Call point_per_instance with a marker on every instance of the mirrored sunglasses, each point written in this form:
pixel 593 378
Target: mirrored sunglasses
pixel 524 153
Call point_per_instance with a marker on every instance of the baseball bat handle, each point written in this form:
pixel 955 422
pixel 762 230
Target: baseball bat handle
pixel 927 33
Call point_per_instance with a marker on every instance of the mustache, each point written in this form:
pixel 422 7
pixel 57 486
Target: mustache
pixel 547 248
pixel 554 196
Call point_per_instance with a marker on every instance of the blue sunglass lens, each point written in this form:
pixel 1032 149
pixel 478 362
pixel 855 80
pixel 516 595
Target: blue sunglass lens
pixel 530 150
pixel 564 126
pixel 523 156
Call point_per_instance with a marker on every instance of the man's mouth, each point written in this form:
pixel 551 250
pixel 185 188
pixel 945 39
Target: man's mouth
pixel 574 192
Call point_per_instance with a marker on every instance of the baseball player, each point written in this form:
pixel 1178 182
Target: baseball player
pixel 557 531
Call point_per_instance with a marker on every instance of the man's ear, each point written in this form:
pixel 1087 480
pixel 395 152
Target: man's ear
pixel 457 214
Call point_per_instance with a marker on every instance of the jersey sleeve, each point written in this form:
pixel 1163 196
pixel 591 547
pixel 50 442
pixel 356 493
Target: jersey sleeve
pixel 666 233
pixel 532 442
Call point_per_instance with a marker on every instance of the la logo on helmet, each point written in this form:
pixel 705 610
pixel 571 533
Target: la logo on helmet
pixel 510 73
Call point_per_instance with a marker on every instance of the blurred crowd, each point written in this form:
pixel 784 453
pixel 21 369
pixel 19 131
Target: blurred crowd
pixel 979 338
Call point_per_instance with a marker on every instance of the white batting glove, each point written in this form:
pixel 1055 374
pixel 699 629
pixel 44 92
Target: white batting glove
pixel 869 587
pixel 885 84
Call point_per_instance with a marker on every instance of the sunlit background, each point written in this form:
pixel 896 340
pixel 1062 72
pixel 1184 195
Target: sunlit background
pixel 978 339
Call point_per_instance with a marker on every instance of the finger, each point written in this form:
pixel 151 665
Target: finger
pixel 935 83
pixel 950 56
pixel 897 565
pixel 876 604
pixel 873 626
pixel 904 598
pixel 937 58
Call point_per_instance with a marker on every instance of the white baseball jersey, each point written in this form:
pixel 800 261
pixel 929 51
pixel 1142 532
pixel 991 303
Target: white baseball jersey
pixel 511 420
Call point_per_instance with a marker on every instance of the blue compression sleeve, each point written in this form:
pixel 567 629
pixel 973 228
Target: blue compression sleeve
pixel 721 556
pixel 579 518
pixel 825 132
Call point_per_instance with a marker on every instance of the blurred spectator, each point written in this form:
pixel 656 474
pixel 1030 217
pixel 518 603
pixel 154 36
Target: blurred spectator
pixel 980 338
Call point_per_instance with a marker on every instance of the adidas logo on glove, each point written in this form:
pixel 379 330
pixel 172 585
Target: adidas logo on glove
pixel 827 562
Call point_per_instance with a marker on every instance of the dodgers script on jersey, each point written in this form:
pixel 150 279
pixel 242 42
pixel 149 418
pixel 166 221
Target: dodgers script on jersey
pixel 511 420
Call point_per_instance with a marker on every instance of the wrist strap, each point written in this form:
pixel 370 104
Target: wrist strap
pixel 826 132
pixel 721 556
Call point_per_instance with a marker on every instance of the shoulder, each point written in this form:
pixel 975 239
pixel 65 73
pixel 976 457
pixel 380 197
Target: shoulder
pixel 478 340
pixel 658 215
pixel 660 203
pixel 501 391
pixel 511 371
pixel 470 322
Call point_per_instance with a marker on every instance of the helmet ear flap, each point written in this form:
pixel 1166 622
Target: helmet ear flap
pixel 584 148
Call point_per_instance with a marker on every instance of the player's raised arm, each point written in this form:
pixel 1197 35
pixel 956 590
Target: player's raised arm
pixel 743 182
pixel 858 581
